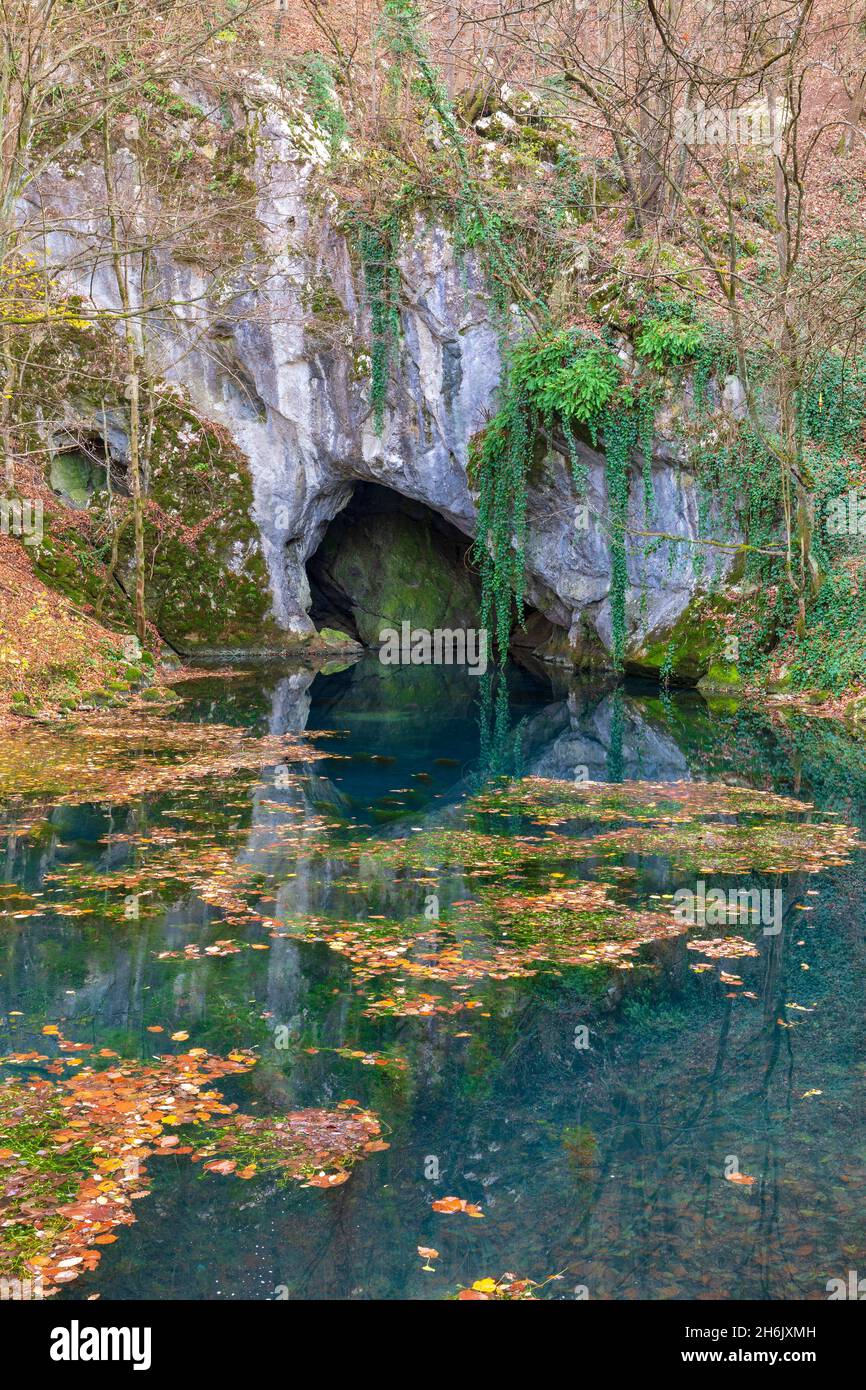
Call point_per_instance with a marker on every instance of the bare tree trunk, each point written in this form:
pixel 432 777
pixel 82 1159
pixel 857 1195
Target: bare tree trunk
pixel 9 381
pixel 450 65
pixel 133 384
pixel 855 111
pixel 134 388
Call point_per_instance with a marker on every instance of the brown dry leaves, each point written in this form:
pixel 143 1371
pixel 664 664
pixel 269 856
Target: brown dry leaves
pixel 106 757
pixel 120 1117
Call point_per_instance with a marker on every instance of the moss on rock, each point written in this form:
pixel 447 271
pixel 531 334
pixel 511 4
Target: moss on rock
pixel 208 588
pixel 722 678
pixel 689 649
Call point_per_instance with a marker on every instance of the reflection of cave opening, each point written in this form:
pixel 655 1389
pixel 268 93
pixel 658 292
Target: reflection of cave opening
pixel 386 559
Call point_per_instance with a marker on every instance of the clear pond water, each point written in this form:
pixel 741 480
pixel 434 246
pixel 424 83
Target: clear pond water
pixel 593 1111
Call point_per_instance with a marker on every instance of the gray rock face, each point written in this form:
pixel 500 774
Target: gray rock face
pixel 289 378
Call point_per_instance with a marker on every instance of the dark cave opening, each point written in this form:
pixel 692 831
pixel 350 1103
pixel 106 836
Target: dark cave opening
pixel 83 464
pixel 386 559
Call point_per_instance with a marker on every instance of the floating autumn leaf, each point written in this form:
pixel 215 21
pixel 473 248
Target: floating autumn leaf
pixel 180 1036
pixel 742 1178
pixel 507 1289
pixel 448 1205
pixel 327 1180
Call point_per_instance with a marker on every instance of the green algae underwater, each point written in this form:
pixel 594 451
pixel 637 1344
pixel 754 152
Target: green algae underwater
pixel 379 984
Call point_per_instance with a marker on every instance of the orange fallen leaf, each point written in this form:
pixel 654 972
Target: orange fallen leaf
pixel 221 1165
pixel 327 1180
pixel 451 1204
pixel 448 1204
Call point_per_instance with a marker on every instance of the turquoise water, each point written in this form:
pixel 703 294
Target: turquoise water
pixel 604 1163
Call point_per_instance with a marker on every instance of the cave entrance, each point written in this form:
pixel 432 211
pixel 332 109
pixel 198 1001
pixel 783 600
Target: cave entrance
pixel 385 560
pixel 83 464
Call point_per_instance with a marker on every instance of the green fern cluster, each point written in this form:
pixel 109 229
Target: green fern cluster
pixel 666 342
pixel 563 377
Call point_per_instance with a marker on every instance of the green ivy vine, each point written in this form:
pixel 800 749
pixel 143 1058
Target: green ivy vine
pixel 620 437
pixel 378 244
pixel 566 381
